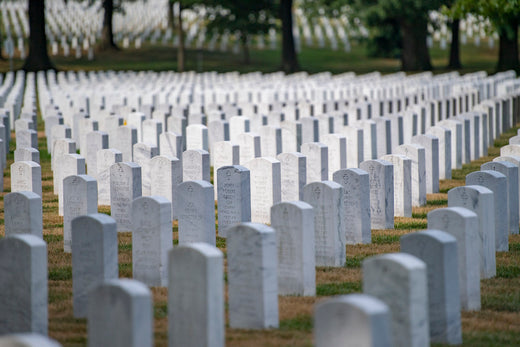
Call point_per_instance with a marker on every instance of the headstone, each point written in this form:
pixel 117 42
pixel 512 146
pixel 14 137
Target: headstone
pixel 431 146
pixel 252 276
pixel 120 314
pixel 456 141
pixel 355 147
pixel 23 214
pixel 124 141
pixel 225 153
pixel 265 178
pixel 125 186
pixel 152 239
pixel 497 183
pixel 400 281
pixel 234 197
pixel 58 131
pixel 27 138
pixel 23 284
pixel 438 250
pixel 271 141
pixel 60 147
pixel 514 160
pixel 293 170
pixel 417 155
pixel 381 181
pixel 509 170
pixel 250 147
pixel 197 137
pixel 166 174
pixel 152 129
pixel 68 165
pixel 294 225
pixel 87 125
pixel 480 200
pixel 94 256
pixel 135 120
pixel 352 320
pixel 356 202
pixel 196 212
pixel 444 136
pixel 329 232
pixel 27 154
pixel 317 161
pixel 105 159
pixel 170 144
pixel 95 141
pixel 402 184
pixel 196 296
pixel 27 340
pixel 510 150
pixel 195 165
pixel 237 126
pixel 26 176
pixel 462 224
pixel 337 152
pixel 80 197
pixel 143 153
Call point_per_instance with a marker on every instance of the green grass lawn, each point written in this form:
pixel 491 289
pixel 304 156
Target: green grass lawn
pixel 312 60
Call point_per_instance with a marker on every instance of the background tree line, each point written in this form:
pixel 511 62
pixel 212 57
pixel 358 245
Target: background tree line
pixel 397 28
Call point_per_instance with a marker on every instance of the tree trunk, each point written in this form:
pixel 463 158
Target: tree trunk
pixel 455 46
pixel 245 48
pixel 171 20
pixel 289 57
pixel 107 33
pixel 38 59
pixel 415 55
pixel 508 48
pixel 180 34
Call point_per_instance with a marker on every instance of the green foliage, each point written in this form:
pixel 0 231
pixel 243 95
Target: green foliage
pixel 242 17
pixel 500 12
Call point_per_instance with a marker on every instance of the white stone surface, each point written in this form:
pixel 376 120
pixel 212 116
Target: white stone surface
pixel 356 201
pixel 329 232
pixel 196 296
pixel 252 276
pixel 94 256
pixel 120 314
pixel 352 320
pixel 402 184
pixel 438 250
pixel 234 197
pixel 381 180
pixel 462 224
pixel 480 200
pixel 125 186
pixel 152 238
pixel 196 212
pixel 497 183
pixel 26 176
pixel 294 225
pixel 265 177
pixel 23 214
pixel 400 281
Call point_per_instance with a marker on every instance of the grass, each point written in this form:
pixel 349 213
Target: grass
pixel 311 59
pixel 495 324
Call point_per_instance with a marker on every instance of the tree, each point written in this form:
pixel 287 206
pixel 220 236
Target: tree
pixel 505 17
pixel 38 58
pixel 107 33
pixel 289 57
pixel 171 20
pixel 244 18
pixel 411 17
pixel 181 49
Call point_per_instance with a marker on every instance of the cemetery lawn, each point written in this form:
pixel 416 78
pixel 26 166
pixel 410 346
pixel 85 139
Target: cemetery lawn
pixel 312 60
pixel 495 324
